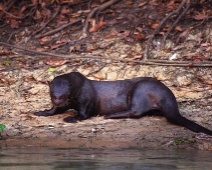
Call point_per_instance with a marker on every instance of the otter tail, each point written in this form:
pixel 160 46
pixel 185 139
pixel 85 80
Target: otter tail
pixel 182 121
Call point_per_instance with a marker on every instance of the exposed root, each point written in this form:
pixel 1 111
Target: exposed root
pixel 151 62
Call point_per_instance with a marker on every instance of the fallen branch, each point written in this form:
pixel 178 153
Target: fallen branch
pixel 93 12
pixel 55 14
pixel 58 29
pixel 146 55
pixel 152 62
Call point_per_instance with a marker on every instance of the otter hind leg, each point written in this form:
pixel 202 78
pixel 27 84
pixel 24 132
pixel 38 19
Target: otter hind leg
pixel 140 105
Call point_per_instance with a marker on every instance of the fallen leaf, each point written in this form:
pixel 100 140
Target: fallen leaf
pixel 45 40
pixel 37 15
pixel 98 76
pixel 110 35
pixel 139 29
pixel 129 3
pixel 55 46
pixel 153 26
pixel 96 27
pixel 58 44
pixel 87 11
pixel 178 28
pixel 208 82
pixel 28 79
pixel 167 50
pixel 33 91
pixel 55 61
pixel 198 58
pixel 14 23
pixel 205 44
pixel 139 36
pixel 200 17
pixel 209 49
pixel 136 56
pixel 142 4
pixel 23 8
pixel 171 2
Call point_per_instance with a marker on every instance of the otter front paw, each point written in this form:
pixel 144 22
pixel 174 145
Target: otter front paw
pixel 110 116
pixel 106 117
pixel 43 113
pixel 71 119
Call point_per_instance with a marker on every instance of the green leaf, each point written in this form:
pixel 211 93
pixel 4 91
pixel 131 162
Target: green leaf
pixel 51 69
pixel 2 127
pixel 6 62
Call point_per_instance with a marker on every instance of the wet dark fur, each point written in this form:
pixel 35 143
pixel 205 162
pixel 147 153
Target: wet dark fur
pixel 132 98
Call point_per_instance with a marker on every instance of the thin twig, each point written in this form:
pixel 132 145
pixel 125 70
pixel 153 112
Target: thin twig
pixel 11 35
pixel 89 4
pixel 58 29
pixel 55 14
pixel 13 16
pixel 189 63
pixel 176 21
pixel 159 27
pixel 11 2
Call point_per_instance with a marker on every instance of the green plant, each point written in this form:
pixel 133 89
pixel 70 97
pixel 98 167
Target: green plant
pixel 178 141
pixel 2 127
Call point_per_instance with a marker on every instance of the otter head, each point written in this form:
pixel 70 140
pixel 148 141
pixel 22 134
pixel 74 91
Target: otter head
pixel 60 91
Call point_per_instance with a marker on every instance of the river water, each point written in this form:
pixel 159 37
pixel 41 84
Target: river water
pixel 38 158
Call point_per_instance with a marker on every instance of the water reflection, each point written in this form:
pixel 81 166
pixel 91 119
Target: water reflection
pixel 36 158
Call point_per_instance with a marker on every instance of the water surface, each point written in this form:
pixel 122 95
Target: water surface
pixel 35 158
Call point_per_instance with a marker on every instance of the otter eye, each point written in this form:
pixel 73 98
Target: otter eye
pixel 71 84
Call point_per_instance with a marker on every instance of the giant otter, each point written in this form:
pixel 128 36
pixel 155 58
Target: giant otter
pixel 131 98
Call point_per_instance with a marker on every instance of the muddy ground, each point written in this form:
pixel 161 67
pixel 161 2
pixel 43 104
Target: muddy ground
pixel 24 90
pixel 29 93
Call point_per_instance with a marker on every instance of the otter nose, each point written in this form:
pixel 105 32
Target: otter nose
pixel 57 102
